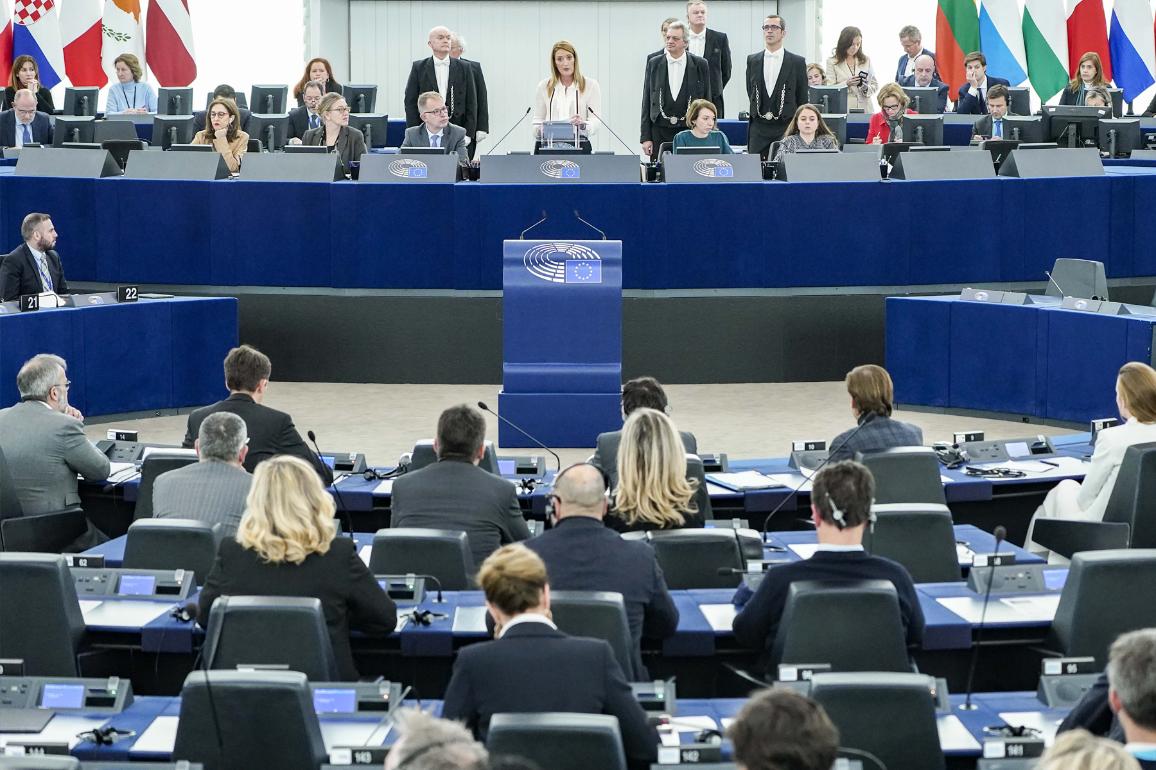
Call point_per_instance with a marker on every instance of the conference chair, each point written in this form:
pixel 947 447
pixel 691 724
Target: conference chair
pixel 270 630
pixel 42 533
pixel 599 615
pixel 1078 278
pixel 154 466
pixel 1105 595
pixel 907 474
pixel 1129 520
pixel 40 618
pixel 698 558
pixel 443 553
pixel 423 454
pixel 238 720
pixel 39 763
pixel 186 544
pixel 696 472
pixel 559 740
pixel 888 715
pixel 918 536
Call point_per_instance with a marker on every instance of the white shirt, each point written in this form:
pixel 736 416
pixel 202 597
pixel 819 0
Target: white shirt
pixel 567 101
pixel 909 70
pixel 772 66
pixel 441 138
pixel 527 617
pixel 697 43
pixel 675 73
pixel 831 548
pixel 442 73
pixel 982 92
pixel 20 131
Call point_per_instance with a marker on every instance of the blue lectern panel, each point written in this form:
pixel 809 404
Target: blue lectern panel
pixel 917 357
pixel 993 358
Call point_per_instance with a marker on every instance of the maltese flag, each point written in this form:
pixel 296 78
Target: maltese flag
pixel 36 33
pixel 80 30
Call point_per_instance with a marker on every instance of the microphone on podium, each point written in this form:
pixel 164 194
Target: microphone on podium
pixel 602 120
pixel 518 123
pixel 1000 533
pixel 484 408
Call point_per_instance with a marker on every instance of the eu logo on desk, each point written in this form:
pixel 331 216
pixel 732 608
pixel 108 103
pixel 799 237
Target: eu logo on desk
pixel 561 169
pixel 409 168
pixel 559 262
pixel 583 271
pixel 713 167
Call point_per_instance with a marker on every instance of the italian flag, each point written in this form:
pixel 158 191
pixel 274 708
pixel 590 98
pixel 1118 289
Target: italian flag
pixel 1046 44
pixel 956 35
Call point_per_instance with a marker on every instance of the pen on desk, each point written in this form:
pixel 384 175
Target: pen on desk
pixel 774 548
pixel 1049 462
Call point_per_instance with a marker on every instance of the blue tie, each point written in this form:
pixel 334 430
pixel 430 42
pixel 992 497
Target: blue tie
pixel 435 140
pixel 998 129
pixel 27 134
pixel 313 120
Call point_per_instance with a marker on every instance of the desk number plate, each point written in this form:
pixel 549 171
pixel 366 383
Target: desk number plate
pixel 29 302
pixel 127 293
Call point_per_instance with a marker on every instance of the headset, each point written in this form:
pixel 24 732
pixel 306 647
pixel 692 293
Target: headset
pixel 840 518
pixel 552 497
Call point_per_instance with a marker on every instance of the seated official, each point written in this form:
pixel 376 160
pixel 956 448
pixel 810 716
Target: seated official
pixel 222 121
pixel 887 124
pixel 1097 96
pixel 816 76
pixel 872 399
pixel 1132 691
pixel 653 491
pixel 841 498
pixel 532 667
pixel 637 393
pixel 701 119
pixel 1089 75
pixel 454 493
pixel 806 131
pixel 317 70
pixel 1080 750
pixel 780 729
pixel 25 75
pixel 287 546
pixel 34 266
pixel 24 124
pixel 425 742
pixel 247 372
pixel 128 94
pixel 1088 499
pixel 212 490
pixel 924 76
pixel 973 93
pixel 567 95
pixel 435 129
pixel 305 117
pixel 335 134
pixel 225 91
pixel 991 125
pixel 581 554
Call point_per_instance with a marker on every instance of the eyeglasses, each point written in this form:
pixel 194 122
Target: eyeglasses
pixel 770 27
pixel 218 114
pixel 891 107
pixel 339 109
pixel 438 111
pixel 25 112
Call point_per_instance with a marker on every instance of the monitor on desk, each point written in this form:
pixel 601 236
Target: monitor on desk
pixel 375 127
pixel 136 585
pixel 838 126
pixel 172 129
pixel 711 150
pixel 1071 125
pixel 1024 128
pixel 269 100
pixel 426 151
pixel 829 99
pixel 1019 101
pixel 335 701
pixel 999 149
pixel 174 101
pixel 305 149
pixel 80 101
pixel 272 130
pixel 923 129
pixel 360 98
pixel 891 149
pixel 57 695
pixel 70 128
pixel 1120 136
pixel 924 100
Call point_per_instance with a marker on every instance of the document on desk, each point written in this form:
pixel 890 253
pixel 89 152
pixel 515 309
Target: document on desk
pixel 123 614
pixel 62 729
pixel 1060 466
pixel 167 452
pixel 384 488
pixel 469 620
pixel 350 733
pixel 953 736
pixel 720 616
pixel 158 738
pixel 1035 720
pixel 121 472
pixel 669 734
pixel 741 482
pixel 1039 608
pixel 792 480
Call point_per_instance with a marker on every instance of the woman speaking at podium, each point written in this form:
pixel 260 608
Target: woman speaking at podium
pixel 567 95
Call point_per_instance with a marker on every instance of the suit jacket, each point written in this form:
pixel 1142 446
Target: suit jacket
pixel 350 145
pixel 606 452
pixel 349 594
pixel 1111 444
pixel 983 127
pixel 657 98
pixel 483 95
pixel 298 122
pixel 458 495
pixel 790 91
pixel 935 83
pixel 1094 714
pixel 210 491
pixel 901 68
pixel 875 433
pixel 969 104
pixel 453 138
pixel 534 668
pixel 461 93
pixel 19 274
pixel 270 432
pixel 45 449
pixel 717 53
pixel 581 554
pixel 41 128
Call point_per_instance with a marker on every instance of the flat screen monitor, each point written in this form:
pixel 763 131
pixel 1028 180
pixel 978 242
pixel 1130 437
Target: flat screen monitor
pixel 1054 579
pixel 57 695
pixel 925 129
pixel 80 101
pixel 924 101
pixel 1119 136
pixel 174 101
pixel 1117 95
pixel 360 98
pixel 272 130
pixel 137 585
pixel 838 126
pixel 192 148
pixel 307 149
pixel 708 150
pixel 374 125
pixel 832 99
pixel 1019 101
pixel 269 100
pixel 1071 125
pixel 73 128
pixel 891 149
pixel 172 129
pixel 1024 128
pixel 999 149
pixel 334 701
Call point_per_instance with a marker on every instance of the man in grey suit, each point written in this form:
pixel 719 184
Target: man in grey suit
pixel 454 493
pixel 435 129
pixel 639 392
pixel 214 489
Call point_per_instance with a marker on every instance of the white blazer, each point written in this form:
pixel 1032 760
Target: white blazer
pixel 1111 444
pixel 567 102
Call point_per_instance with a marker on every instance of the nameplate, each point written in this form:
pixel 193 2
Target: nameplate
pixel 11 666
pixel 801 672
pixel 35 749
pixel 560 169
pixel 994 560
pixel 962 437
pixel 80 560
pixel 29 303
pixel 808 446
pixel 378 168
pixel 1069 666
pixel 995 296
pixel 127 293
pixel 1013 748
pixel 360 755
pixel 693 754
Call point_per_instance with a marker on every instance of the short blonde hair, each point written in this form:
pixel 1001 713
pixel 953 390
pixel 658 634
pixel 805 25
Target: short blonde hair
pixel 1080 750
pixel 133 65
pixel 697 106
pixel 892 89
pixel 513 579
pixel 870 387
pixel 652 483
pixel 1137 385
pixel 288 514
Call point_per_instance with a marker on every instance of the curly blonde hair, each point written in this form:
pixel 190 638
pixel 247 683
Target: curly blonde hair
pixel 288 514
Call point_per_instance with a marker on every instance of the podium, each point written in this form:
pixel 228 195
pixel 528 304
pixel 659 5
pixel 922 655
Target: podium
pixel 561 341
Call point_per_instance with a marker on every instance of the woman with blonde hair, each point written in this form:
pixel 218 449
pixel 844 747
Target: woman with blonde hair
pixel 653 491
pixel 1080 750
pixel 128 94
pixel 287 545
pixel 567 95
pixel 887 124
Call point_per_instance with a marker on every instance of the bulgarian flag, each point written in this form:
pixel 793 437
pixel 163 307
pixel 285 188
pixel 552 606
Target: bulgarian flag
pixel 1046 42
pixel 956 35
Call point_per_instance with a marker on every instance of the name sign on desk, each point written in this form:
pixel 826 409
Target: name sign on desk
pixel 379 168
pixel 360 755
pixel 995 297
pixel 127 293
pixel 1103 307
pixel 711 169
pixel 560 169
pixel 29 303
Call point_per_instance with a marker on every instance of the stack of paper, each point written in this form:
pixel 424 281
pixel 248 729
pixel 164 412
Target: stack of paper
pixel 742 481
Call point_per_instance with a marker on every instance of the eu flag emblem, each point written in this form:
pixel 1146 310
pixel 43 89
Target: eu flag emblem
pixel 724 171
pixel 571 172
pixel 418 173
pixel 583 271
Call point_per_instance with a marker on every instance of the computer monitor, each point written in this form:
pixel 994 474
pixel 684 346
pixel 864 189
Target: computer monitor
pixel 375 126
pixel 891 149
pixel 172 129
pixel 80 101
pixel 174 101
pixel 1117 95
pixel 924 101
pixel 709 150
pixel 73 129
pixel 1019 101
pixel 1072 125
pixel 269 100
pixel 306 149
pixel 1119 136
pixel 273 130
pixel 829 99
pixel 1023 128
pixel 838 126
pixel 926 129
pixel 360 98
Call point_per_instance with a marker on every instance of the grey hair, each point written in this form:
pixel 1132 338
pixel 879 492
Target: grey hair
pixel 456 38
pixel 911 32
pixel 221 436
pixel 1132 674
pixel 314 84
pixel 437 744
pixel 1101 92
pixel 676 24
pixel 38 374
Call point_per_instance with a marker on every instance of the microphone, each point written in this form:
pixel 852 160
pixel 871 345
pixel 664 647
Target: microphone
pixel 518 123
pixel 440 599
pixel 484 408
pixel 1048 273
pixel 1000 533
pixel 522 236
pixel 602 120
pixel 313 439
pixel 592 227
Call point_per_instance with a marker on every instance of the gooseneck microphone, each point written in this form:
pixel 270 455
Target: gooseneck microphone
pixel 343 514
pixel 599 230
pixel 516 124
pixel 1048 273
pixel 522 235
pixel 484 408
pixel 1000 533
pixel 438 583
pixel 602 120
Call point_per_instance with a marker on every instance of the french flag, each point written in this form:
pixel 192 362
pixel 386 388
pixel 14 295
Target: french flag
pixel 36 33
pixel 80 29
pixel 1131 44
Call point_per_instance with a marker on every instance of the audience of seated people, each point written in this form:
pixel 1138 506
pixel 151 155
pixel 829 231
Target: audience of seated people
pixel 640 392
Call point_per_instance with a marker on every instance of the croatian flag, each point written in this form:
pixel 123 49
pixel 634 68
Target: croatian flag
pixel 1131 44
pixel 36 33
pixel 81 32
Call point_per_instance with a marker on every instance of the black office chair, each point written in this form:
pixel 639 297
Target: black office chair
pixel 1078 278
pixel 39 763
pixel 186 544
pixel 599 615
pixel 40 618
pixel 694 558
pixel 43 533
pixel 853 625
pixel 443 553
pixel 1129 520
pixel 1105 595
pixel 695 471
pixel 907 474
pixel 918 536
pixel 270 630
pixel 262 719
pixel 889 715
pixel 155 465
pixel 559 741
pixel 423 454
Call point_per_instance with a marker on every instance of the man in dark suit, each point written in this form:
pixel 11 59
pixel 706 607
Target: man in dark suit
pixel 912 41
pixel 450 77
pixel 454 493
pixel 672 81
pixel 872 402
pixel 582 554
pixel 925 77
pixel 713 46
pixel 662 36
pixel 973 93
pixel 305 117
pixel 482 130
pixel 533 667
pixel 639 392
pixel 22 124
pixel 435 129
pixel 991 125
pixel 1132 691
pixel 776 86
pixel 33 266
pixel 247 372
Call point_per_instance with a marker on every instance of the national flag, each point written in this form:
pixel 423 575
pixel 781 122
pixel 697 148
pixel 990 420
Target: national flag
pixel 80 30
pixel 583 271
pixel 36 33
pixel 170 43
pixel 6 38
pixel 122 33
pixel 1046 44
pixel 1087 31
pixel 1002 40
pixel 956 35
pixel 1132 47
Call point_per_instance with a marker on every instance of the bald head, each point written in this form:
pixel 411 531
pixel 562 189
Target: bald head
pixel 580 491
pixel 924 70
pixel 440 41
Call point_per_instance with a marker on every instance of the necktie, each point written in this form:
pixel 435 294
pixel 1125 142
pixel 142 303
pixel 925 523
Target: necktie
pixel 314 121
pixel 435 140
pixel 45 276
pixel 27 134
pixel 998 132
pixel 982 103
